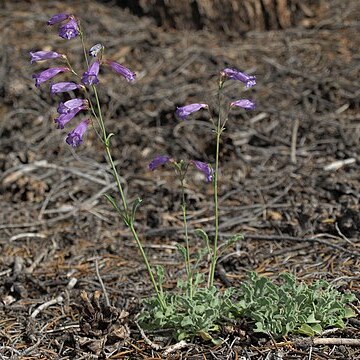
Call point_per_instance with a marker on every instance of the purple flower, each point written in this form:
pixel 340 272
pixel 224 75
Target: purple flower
pixel 67 106
pixel 57 18
pixel 68 110
pixel 48 74
pixel 90 76
pixel 44 55
pixel 63 86
pixel 158 161
pixel 205 169
pixel 184 111
pixel 69 30
pixel 244 103
pixel 65 117
pixel 122 70
pixel 233 74
pixel 75 136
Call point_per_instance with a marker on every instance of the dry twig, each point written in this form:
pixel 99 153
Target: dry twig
pixel 58 300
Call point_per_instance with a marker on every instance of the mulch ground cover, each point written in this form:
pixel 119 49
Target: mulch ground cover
pixel 290 179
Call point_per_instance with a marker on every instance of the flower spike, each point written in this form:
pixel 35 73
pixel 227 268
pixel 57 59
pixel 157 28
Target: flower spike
pixel 233 74
pixel 244 103
pixel 75 136
pixel 158 161
pixel 184 111
pixel 48 74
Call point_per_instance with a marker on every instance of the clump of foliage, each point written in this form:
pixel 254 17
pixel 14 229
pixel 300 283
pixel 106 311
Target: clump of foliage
pixel 202 314
pixel 276 309
pixel 291 307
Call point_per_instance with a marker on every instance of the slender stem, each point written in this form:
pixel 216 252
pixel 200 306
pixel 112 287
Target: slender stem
pixel 218 132
pixel 128 221
pixel 84 47
pixel 124 202
pixel 187 260
pixel 108 152
pixel 70 67
pixel 148 266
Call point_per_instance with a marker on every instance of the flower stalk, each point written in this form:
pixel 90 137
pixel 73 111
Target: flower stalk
pixel 187 256
pixel 218 131
pixel 128 220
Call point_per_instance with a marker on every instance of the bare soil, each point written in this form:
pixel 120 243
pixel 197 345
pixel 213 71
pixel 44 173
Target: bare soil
pixel 290 178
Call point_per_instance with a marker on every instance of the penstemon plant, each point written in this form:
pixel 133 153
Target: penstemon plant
pixel 200 308
pixel 87 82
pixel 211 174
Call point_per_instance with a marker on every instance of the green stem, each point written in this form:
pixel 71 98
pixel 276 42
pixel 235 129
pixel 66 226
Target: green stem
pixel 187 260
pixel 84 47
pixel 218 132
pixel 108 152
pixel 70 67
pixel 129 222
pixel 148 266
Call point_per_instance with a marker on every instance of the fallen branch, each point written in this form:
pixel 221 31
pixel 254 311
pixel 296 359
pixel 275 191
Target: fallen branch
pixel 154 346
pixel 307 343
pixel 180 345
pixel 327 341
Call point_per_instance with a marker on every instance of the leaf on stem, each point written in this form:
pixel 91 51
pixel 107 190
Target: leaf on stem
pixel 160 272
pixel 135 207
pixel 203 235
pixel 182 251
pixel 113 202
pixel 231 241
pixel 107 140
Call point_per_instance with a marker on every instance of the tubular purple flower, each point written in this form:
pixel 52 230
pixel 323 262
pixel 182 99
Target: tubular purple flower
pixel 72 104
pixel 69 30
pixel 204 168
pixel 64 118
pixel 48 74
pixel 75 136
pixel 63 87
pixel 122 70
pixel 233 74
pixel 55 19
pixel 158 161
pixel 44 55
pixel 90 76
pixel 184 111
pixel 244 103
